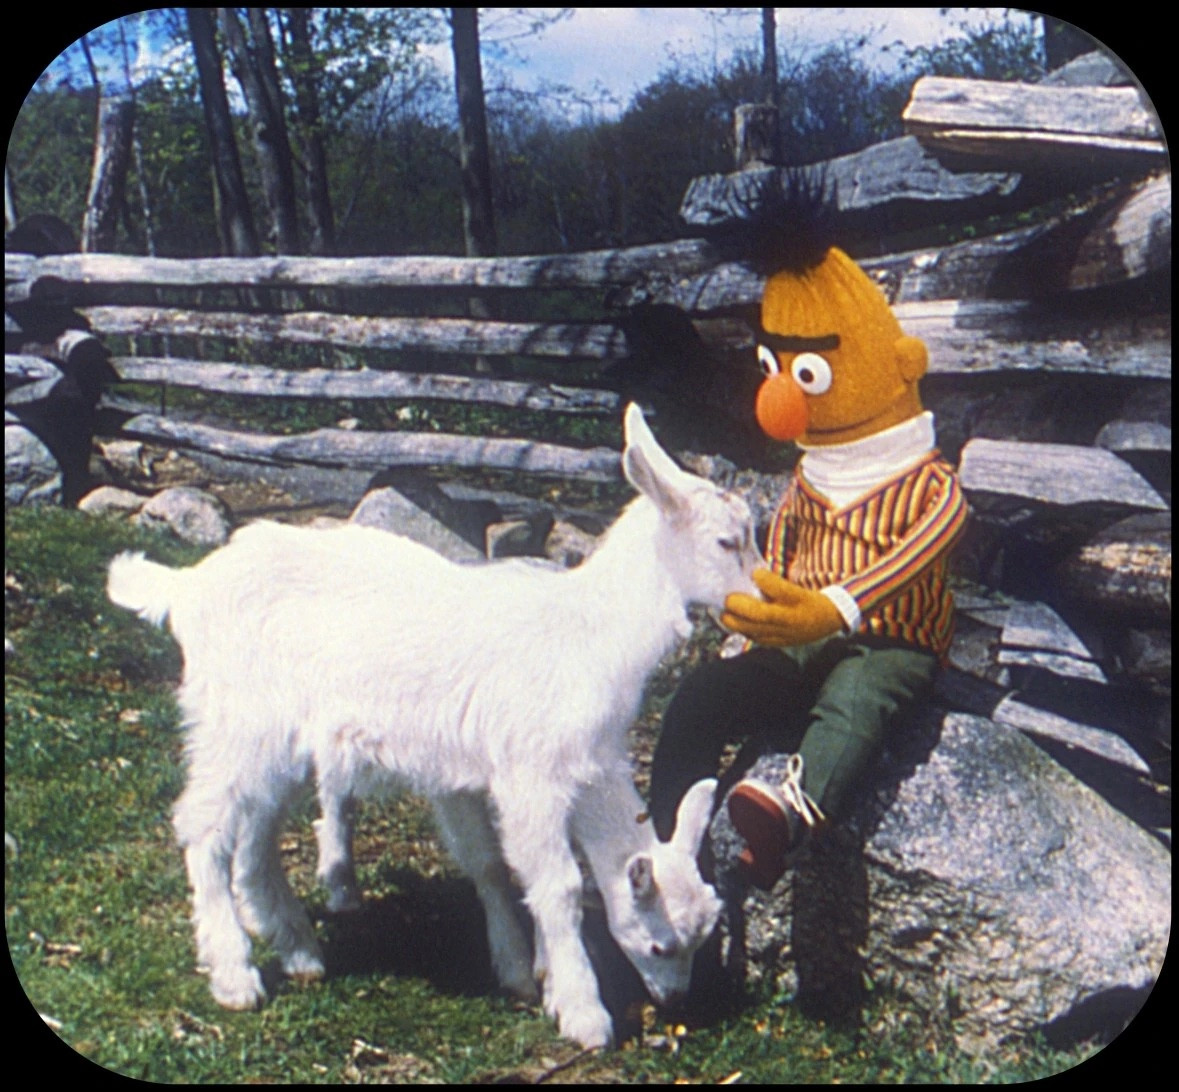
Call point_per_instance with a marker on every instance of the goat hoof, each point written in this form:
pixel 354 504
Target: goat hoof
pixel 591 1028
pixel 241 991
pixel 303 966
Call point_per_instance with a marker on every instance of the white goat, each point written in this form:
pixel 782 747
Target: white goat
pixel 503 692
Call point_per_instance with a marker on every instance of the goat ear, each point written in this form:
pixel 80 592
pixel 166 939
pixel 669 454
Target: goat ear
pixel 640 871
pixel 693 816
pixel 648 467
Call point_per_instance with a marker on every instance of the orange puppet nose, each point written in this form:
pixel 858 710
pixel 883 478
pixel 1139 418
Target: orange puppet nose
pixel 781 408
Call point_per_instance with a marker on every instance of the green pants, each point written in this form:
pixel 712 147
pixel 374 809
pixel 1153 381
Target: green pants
pixel 834 702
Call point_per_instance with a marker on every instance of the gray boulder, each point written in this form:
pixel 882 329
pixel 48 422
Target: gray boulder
pixel 568 545
pixel 982 881
pixel 31 473
pixel 390 510
pixel 107 499
pixel 191 514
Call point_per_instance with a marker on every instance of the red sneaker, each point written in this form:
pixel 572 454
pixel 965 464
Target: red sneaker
pixel 761 816
pixel 774 821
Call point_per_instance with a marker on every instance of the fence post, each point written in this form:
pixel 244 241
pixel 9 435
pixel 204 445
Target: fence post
pixel 755 135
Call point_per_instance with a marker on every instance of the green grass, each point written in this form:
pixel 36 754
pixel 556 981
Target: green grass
pixel 96 904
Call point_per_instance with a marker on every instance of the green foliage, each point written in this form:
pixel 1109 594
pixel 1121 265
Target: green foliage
pixel 362 48
pixel 836 104
pixel 1002 50
pixel 49 153
pixel 177 175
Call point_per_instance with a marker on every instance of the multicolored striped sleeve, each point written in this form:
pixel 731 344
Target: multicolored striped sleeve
pixel 935 518
pixel 780 543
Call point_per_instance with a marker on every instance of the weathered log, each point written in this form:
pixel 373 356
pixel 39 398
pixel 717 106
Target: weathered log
pixel 1115 113
pixel 1145 445
pixel 973 693
pixel 1134 237
pixel 1095 69
pixel 1034 635
pixel 1125 569
pixel 30 392
pixel 18 267
pixel 1019 122
pixel 995 266
pixel 592 341
pixel 379 450
pixel 1079 248
pixel 55 277
pixel 977 336
pixel 1128 436
pixel 22 368
pixel 1053 474
pixel 893 173
pixel 1045 724
pixel 254 379
pixel 1038 626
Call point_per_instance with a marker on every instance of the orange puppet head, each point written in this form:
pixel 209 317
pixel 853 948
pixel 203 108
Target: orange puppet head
pixel 837 365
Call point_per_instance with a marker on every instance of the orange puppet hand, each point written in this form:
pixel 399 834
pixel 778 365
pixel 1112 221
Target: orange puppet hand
pixel 790 614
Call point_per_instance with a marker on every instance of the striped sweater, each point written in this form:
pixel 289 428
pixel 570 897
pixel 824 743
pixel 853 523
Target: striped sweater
pixel 883 558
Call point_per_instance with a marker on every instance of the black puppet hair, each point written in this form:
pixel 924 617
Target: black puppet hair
pixel 786 221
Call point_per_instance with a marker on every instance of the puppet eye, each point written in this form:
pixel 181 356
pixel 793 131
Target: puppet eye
pixel 811 372
pixel 768 360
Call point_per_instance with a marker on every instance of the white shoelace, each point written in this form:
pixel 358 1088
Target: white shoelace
pixel 796 796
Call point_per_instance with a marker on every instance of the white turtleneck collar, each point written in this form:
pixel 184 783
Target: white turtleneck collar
pixel 844 472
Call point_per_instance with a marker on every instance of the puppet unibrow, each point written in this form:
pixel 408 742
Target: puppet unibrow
pixel 789 343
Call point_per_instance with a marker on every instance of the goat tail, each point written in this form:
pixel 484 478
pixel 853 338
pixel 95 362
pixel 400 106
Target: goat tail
pixel 143 586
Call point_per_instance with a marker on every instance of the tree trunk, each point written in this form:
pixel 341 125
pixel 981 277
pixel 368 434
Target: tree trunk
pixel 755 131
pixel 112 154
pixel 235 223
pixel 252 63
pixel 474 155
pixel 304 76
pixel 769 57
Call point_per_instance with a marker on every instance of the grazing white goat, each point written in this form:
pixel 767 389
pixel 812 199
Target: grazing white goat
pixel 503 692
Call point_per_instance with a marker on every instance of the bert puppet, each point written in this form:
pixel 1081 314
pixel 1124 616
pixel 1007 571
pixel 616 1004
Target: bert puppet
pixel 856 612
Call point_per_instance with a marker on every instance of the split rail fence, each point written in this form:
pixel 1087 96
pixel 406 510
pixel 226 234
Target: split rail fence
pixel 1047 317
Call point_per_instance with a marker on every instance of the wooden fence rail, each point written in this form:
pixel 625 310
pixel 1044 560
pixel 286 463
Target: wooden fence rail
pixel 59 277
pixel 361 383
